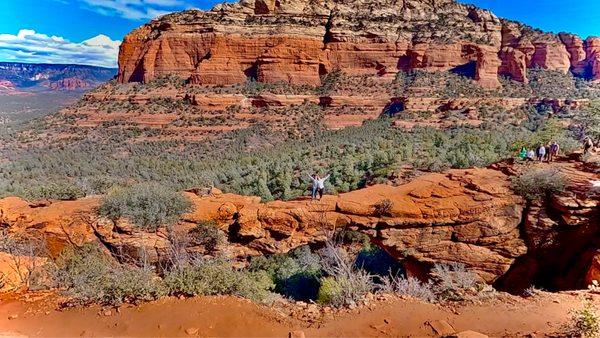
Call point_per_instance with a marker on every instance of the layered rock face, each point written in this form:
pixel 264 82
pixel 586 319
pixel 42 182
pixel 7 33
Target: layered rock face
pixel 465 216
pixel 298 41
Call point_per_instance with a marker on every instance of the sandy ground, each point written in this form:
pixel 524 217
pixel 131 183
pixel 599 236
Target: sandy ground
pixel 504 316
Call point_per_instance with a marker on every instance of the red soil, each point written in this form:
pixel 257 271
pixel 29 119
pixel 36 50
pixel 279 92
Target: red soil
pixel 503 316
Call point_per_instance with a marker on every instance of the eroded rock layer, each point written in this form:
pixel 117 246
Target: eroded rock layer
pixel 298 41
pixel 471 217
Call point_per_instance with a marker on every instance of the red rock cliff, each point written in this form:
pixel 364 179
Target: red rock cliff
pixel 297 41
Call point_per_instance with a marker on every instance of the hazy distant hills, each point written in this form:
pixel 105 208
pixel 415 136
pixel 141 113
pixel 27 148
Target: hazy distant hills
pixel 25 76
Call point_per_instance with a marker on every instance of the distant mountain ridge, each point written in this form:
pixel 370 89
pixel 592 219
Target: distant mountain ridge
pixel 53 76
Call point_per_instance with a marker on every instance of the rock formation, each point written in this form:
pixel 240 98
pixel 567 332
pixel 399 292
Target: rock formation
pixel 466 216
pixel 298 41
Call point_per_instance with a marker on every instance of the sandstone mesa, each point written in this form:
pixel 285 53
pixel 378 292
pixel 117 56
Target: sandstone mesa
pixel 298 41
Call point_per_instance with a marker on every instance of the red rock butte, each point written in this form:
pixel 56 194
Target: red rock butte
pixel 298 41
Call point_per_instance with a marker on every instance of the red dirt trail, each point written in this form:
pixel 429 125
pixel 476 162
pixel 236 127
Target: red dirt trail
pixel 504 316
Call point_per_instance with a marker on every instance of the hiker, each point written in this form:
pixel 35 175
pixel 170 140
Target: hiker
pixel 554 149
pixel 523 153
pixel 541 152
pixel 588 144
pixel 531 155
pixel 318 185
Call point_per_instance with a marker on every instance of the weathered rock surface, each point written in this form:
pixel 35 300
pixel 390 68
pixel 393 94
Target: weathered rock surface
pixel 562 236
pixel 469 216
pixel 298 41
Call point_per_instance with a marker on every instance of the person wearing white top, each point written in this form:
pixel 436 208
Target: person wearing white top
pixel 318 185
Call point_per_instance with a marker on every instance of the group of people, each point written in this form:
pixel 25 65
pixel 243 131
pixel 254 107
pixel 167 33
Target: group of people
pixel 550 152
pixel 318 185
pixel 541 153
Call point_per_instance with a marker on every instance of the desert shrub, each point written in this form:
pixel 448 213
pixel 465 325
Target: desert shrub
pixel 26 259
pixel 584 322
pixel 453 281
pixel 218 277
pixel 383 208
pixel 146 205
pixel 295 274
pixel 330 291
pixel 133 284
pixel 411 287
pixel 339 266
pixel 330 81
pixel 259 161
pixel 208 235
pixel 88 275
pixel 56 190
pixel 535 183
pixel 531 291
pixel 587 121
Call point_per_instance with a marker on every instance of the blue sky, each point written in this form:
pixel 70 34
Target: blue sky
pixel 89 31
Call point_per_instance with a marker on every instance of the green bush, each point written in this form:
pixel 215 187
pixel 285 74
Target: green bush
pixel 89 275
pixel 584 322
pixel 538 183
pixel 295 274
pixel 56 190
pixel 208 235
pixel 218 277
pixel 133 284
pixel 146 205
pixel 330 291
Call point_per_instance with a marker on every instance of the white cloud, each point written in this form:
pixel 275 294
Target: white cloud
pixel 31 47
pixel 135 9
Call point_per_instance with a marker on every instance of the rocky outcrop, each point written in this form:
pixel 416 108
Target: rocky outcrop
pixel 592 48
pixel 563 238
pixel 299 41
pixel 469 216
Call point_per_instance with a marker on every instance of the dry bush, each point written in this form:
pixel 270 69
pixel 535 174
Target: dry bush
pixel 411 287
pixel 26 258
pixel 453 281
pixel 344 284
pixel 383 208
pixel 535 184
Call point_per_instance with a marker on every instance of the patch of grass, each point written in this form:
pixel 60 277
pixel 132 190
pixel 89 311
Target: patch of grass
pixel 584 322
